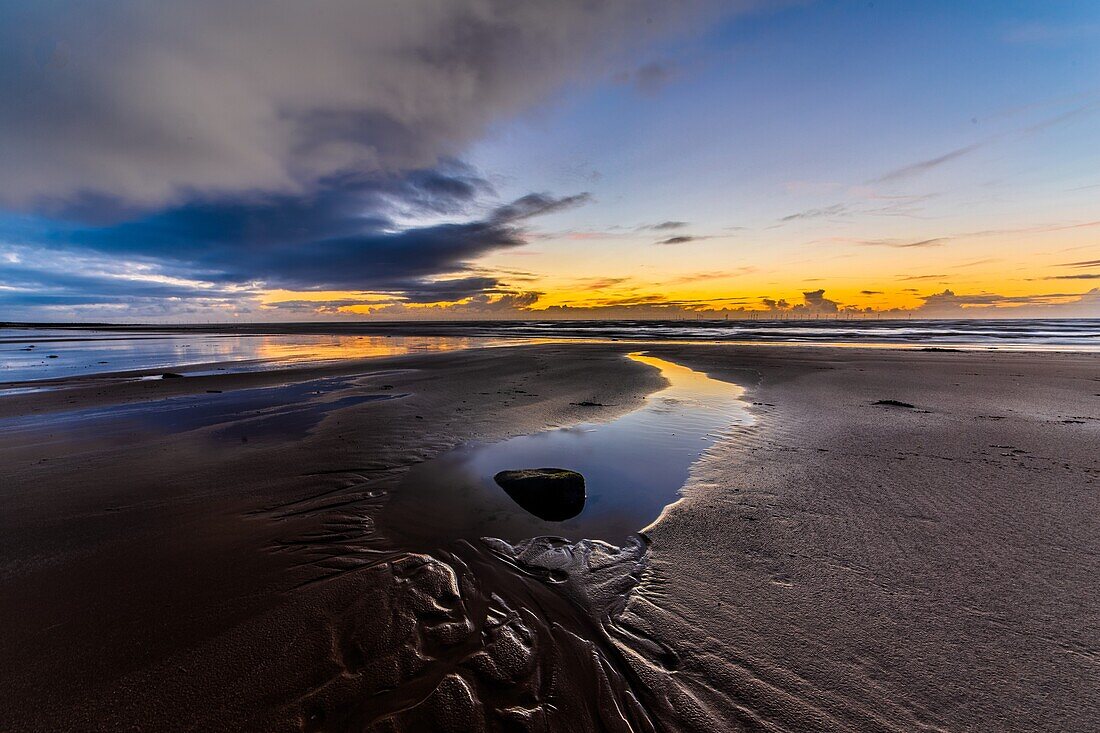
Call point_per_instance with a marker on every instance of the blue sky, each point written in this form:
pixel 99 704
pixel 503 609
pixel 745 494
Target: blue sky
pixel 824 93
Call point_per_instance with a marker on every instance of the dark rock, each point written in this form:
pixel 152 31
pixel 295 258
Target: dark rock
pixel 553 494
pixel 587 403
pixel 52 356
pixel 894 403
pixel 171 375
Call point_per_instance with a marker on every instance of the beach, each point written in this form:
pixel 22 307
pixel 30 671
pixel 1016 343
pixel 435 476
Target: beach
pixel 897 540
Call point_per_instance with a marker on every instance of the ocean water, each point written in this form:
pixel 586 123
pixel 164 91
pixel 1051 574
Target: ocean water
pixel 1078 334
pixel 31 354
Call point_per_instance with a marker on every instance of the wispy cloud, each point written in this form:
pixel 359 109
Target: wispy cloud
pixel 601 283
pixel 681 239
pixel 895 244
pixel 711 275
pixel 923 166
pixel 664 226
pixel 828 211
pixel 975 263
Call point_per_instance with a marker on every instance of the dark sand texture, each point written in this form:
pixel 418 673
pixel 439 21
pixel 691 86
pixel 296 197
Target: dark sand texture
pixel 840 565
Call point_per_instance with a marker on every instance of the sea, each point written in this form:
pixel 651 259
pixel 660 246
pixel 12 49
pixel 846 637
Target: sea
pixel 31 353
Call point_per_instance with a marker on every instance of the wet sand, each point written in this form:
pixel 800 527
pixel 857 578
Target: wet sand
pixel 838 565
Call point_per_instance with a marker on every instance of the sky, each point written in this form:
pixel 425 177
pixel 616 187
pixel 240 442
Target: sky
pixel 229 160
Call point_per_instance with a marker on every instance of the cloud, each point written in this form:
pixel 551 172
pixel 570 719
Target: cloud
pixel 1082 276
pixel 682 239
pixel 602 283
pixel 828 211
pixel 813 302
pixel 346 235
pixel 37 284
pixel 975 263
pixel 148 102
pixel 816 302
pixel 936 242
pixel 508 305
pixel 712 275
pixel 664 226
pixel 237 145
pixel 869 204
pixel 870 292
pixel 1065 305
pixel 1082 263
pixel 445 290
pixel 923 166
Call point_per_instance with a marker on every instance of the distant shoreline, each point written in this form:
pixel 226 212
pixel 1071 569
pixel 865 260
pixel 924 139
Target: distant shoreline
pixel 388 324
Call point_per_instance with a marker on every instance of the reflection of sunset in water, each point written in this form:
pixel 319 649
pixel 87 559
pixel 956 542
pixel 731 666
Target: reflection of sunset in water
pixel 60 353
pixel 312 348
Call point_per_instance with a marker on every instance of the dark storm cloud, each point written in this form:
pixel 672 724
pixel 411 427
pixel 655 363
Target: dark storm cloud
pixel 200 152
pixel 146 103
pixel 344 236
pixel 446 290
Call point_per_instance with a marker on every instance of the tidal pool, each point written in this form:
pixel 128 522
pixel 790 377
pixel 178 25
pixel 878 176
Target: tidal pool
pixel 633 466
